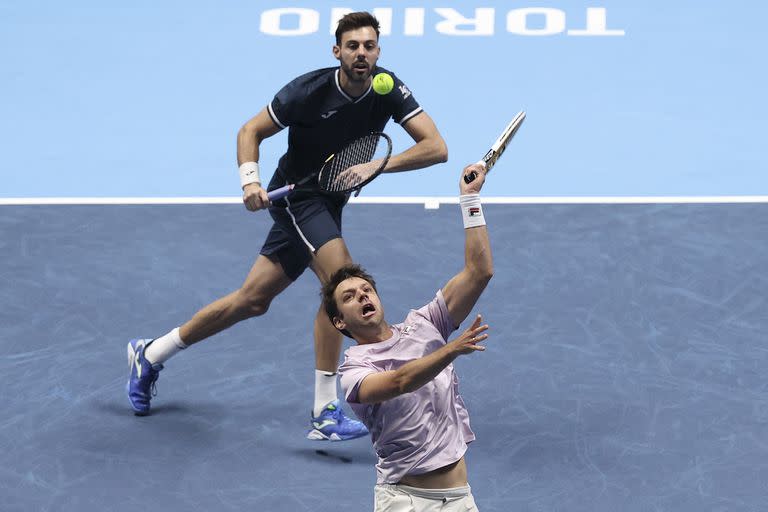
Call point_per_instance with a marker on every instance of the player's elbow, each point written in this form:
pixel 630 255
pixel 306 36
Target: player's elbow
pixel 249 131
pixel 487 271
pixel 244 134
pixel 482 273
pixel 246 129
pixel 441 151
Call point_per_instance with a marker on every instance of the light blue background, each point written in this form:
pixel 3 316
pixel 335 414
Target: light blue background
pixel 145 98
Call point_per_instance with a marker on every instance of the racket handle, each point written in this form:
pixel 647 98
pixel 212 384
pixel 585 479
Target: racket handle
pixel 280 193
pixel 469 178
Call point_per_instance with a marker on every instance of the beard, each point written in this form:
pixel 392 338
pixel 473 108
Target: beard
pixel 355 76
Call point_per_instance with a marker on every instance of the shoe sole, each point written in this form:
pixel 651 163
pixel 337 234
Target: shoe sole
pixel 316 435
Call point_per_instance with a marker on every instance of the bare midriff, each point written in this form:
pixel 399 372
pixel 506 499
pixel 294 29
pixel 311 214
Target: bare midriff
pixel 452 475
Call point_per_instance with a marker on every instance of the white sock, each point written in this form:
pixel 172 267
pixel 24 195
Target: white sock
pixel 164 347
pixel 325 390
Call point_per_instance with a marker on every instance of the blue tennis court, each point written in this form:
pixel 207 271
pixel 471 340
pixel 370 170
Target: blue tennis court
pixel 626 369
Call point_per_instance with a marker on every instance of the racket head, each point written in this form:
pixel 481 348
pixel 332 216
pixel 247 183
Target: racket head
pixel 501 143
pixel 493 154
pixel 357 164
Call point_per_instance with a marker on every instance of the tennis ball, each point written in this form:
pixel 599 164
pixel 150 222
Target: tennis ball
pixel 383 83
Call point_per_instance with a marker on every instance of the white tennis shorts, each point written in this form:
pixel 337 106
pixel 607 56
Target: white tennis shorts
pixel 402 498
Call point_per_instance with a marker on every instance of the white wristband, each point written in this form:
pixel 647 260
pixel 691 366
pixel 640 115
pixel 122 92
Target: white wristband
pixel 249 173
pixel 471 210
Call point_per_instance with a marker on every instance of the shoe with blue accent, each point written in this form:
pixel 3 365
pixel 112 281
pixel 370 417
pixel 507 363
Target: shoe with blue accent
pixel 142 376
pixel 334 425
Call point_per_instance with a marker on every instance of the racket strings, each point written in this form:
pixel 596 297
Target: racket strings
pixel 360 155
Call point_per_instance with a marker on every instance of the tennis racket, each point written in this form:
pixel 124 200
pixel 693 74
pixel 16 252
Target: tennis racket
pixel 493 154
pixel 349 169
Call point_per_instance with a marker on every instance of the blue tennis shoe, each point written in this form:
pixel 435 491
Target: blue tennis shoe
pixel 334 425
pixel 142 376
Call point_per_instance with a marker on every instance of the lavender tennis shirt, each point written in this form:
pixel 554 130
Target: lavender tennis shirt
pixel 415 432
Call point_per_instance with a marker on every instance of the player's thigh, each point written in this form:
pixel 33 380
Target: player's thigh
pixel 333 255
pixel 266 279
pixel 464 504
pixel 283 246
pixel 392 498
pixel 388 498
pixel 315 221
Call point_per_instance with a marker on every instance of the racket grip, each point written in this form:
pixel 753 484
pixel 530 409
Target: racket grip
pixel 280 193
pixel 469 178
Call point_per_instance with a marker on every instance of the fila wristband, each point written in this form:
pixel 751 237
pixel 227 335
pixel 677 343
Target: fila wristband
pixel 471 210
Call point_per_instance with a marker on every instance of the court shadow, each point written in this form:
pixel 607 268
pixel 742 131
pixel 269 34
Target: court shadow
pixel 336 456
pixel 114 408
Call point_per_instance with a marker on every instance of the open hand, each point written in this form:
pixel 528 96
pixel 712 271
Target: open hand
pixel 355 175
pixel 469 339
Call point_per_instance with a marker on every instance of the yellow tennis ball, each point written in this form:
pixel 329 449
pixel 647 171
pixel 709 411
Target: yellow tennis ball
pixel 383 83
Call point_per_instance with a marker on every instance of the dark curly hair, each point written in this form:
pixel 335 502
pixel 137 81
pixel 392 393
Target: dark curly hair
pixel 329 288
pixel 355 20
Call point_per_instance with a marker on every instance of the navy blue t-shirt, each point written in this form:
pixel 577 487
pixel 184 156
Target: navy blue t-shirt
pixel 321 119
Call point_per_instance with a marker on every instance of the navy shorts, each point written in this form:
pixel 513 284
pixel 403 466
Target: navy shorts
pixel 301 228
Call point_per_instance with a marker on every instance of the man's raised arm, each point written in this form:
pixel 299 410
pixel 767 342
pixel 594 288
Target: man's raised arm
pixel 463 290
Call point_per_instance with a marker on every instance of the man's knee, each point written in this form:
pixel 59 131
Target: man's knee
pixel 251 305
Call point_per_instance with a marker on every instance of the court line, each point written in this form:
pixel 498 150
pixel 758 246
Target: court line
pixel 428 202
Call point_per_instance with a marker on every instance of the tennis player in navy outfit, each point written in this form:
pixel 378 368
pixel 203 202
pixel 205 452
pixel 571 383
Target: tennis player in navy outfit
pixel 323 110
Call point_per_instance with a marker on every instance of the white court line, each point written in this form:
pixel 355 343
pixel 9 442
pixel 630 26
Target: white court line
pixel 427 201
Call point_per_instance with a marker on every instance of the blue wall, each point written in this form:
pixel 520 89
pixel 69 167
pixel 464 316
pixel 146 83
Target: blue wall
pixel 145 98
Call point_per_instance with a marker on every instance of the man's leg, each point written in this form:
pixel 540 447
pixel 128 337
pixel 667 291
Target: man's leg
pixel 328 259
pixel 328 341
pixel 264 282
pixel 146 357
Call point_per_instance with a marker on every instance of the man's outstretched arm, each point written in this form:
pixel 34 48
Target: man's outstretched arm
pixel 463 290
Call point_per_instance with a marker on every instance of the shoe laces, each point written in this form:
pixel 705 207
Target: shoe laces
pixel 153 382
pixel 329 413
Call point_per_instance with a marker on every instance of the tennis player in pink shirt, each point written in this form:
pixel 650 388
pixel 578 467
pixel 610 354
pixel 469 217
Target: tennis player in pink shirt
pixel 400 381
